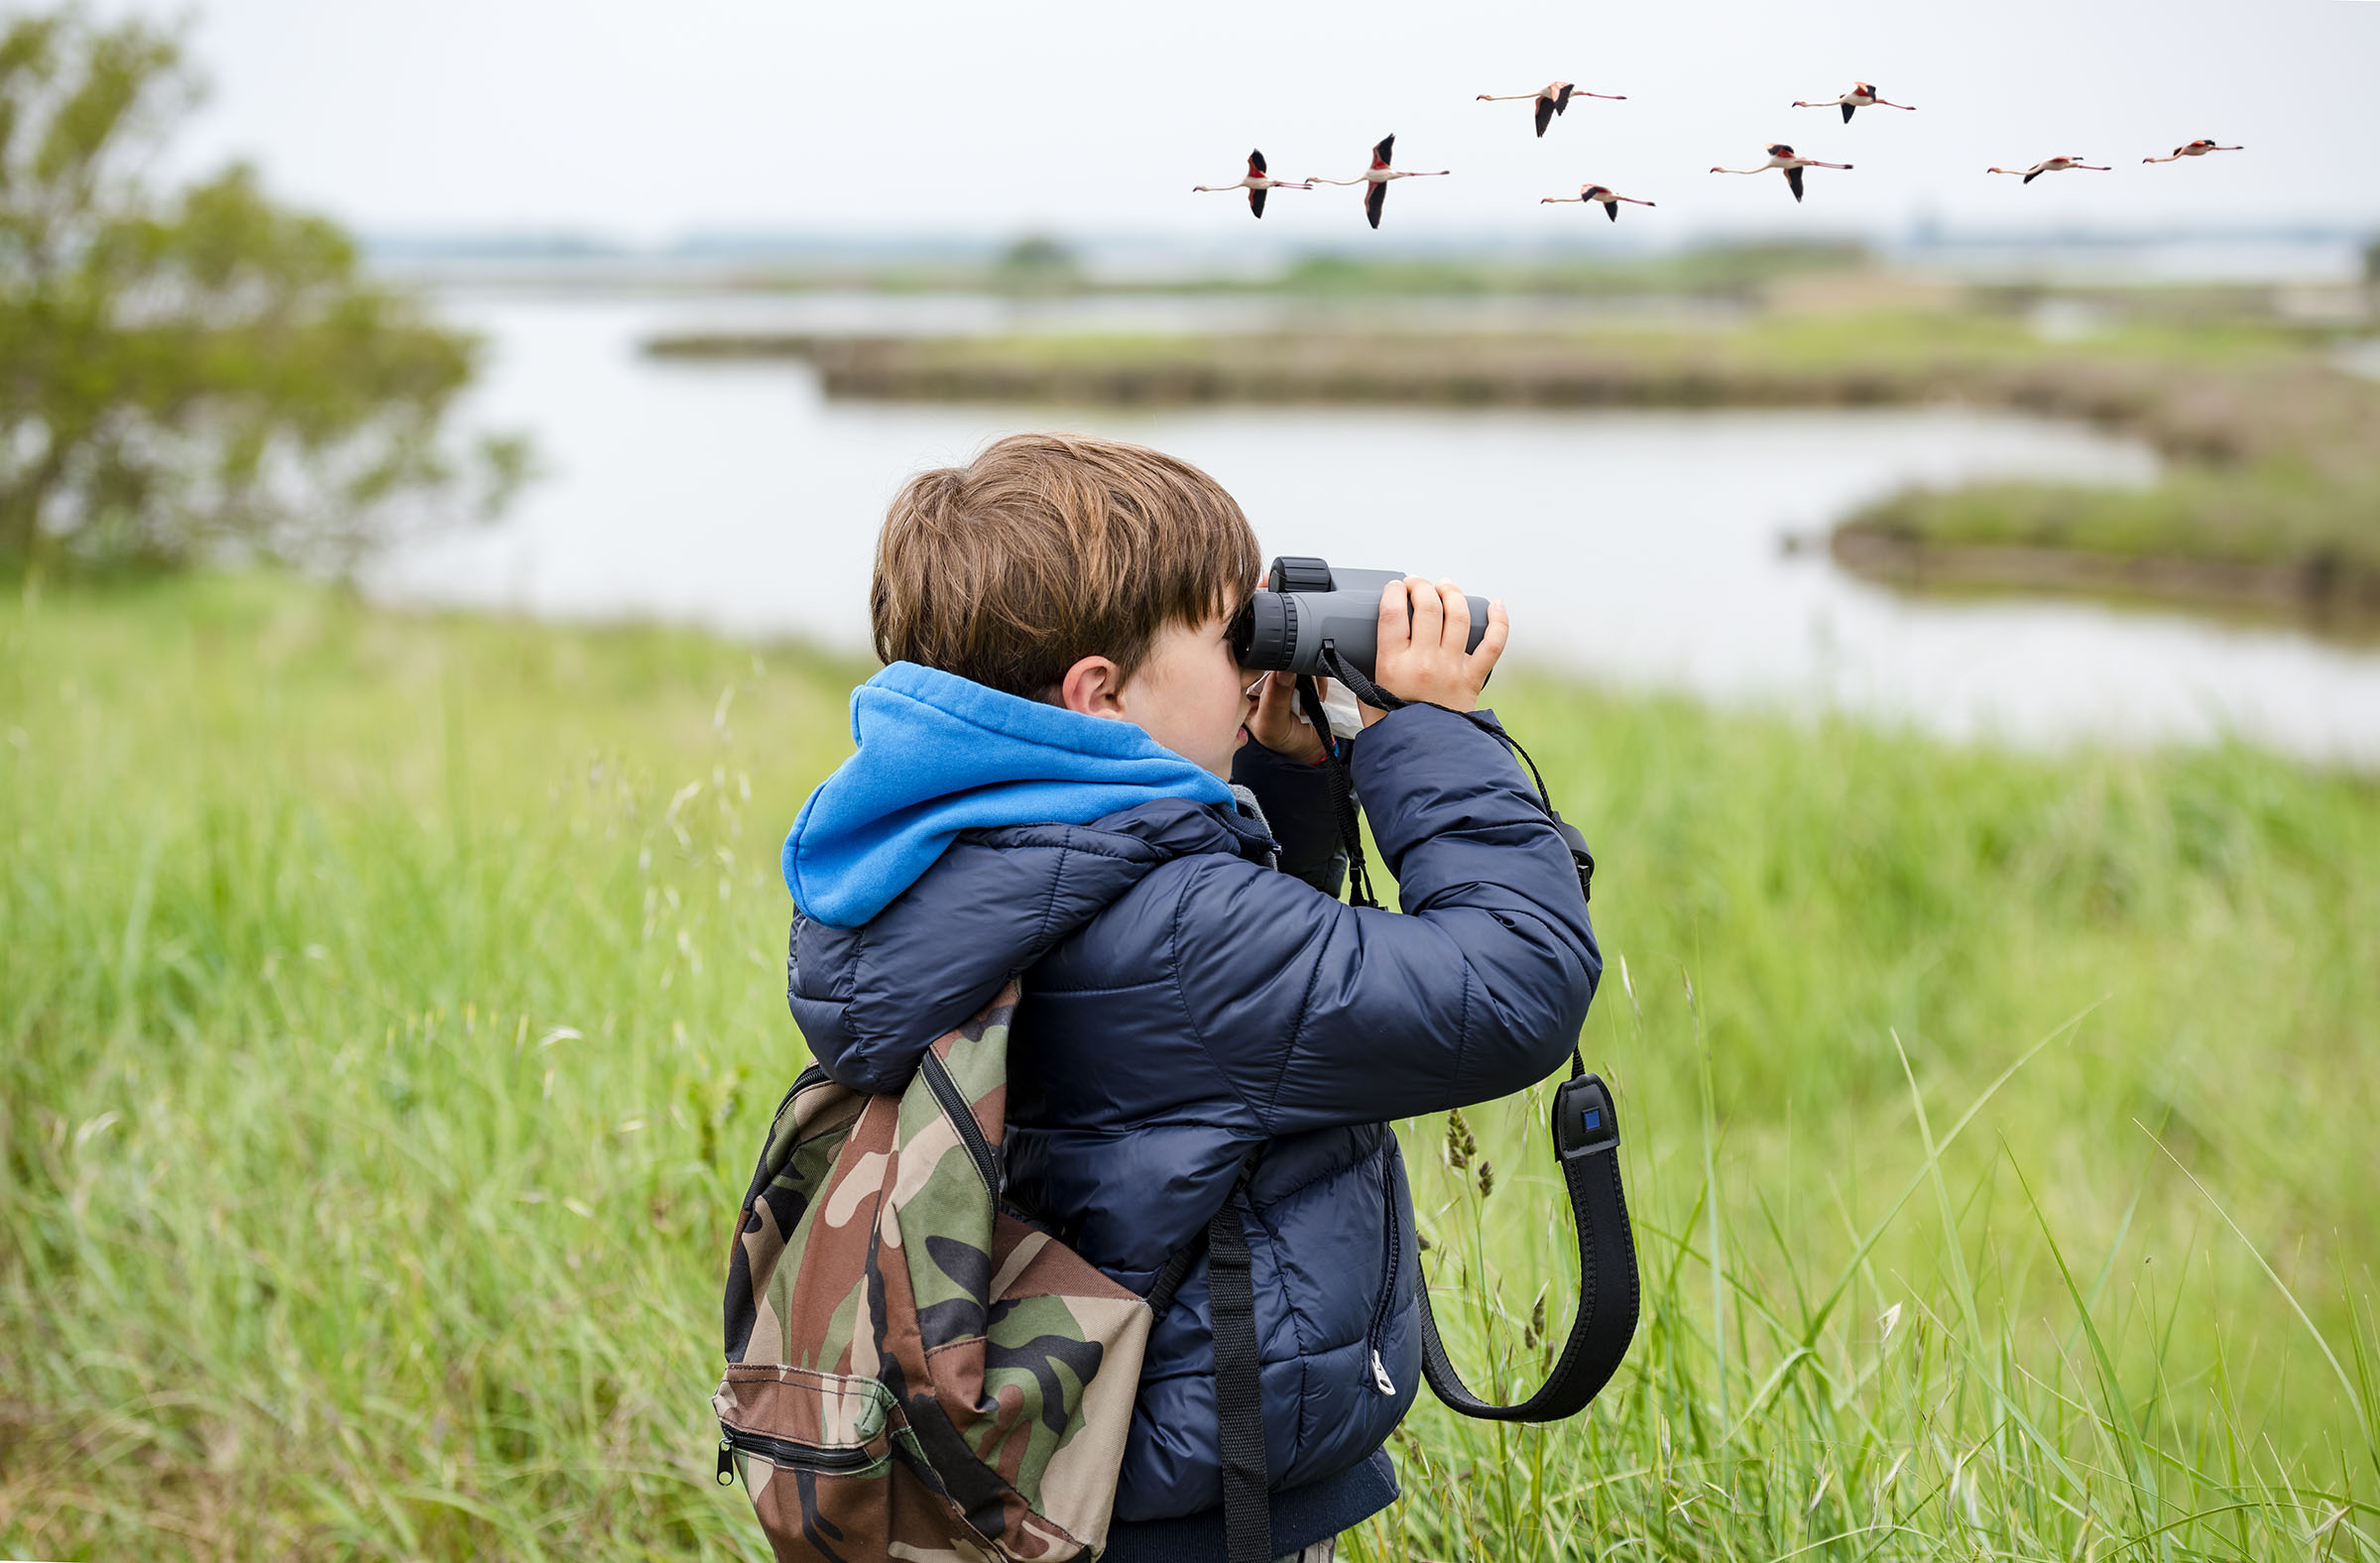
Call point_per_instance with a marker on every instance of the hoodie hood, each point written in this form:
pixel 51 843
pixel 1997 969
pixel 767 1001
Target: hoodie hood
pixel 870 1000
pixel 939 754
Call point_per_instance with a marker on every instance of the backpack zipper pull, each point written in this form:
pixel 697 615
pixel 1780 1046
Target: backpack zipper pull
pixel 727 1462
pixel 1379 1374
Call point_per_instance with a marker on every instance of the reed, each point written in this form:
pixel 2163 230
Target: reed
pixel 391 1007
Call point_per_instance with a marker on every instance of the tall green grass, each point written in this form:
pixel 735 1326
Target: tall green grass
pixel 389 1007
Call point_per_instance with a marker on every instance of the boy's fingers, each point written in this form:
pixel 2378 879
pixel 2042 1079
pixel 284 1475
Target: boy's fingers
pixel 1492 641
pixel 1457 616
pixel 1396 626
pixel 1429 614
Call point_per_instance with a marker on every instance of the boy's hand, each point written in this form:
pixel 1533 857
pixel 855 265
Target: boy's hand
pixel 1271 718
pixel 1424 628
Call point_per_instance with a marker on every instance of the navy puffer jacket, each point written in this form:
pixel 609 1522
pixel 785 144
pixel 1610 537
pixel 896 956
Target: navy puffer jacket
pixel 1184 1003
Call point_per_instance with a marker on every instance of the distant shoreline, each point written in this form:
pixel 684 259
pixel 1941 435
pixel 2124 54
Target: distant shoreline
pixel 2271 502
pixel 2296 589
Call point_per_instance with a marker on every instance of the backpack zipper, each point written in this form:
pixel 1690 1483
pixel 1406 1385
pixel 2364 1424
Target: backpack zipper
pixel 962 1118
pixel 784 1453
pixel 1396 1250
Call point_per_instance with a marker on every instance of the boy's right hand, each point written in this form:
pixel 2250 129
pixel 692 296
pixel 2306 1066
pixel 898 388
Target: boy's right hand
pixel 1423 630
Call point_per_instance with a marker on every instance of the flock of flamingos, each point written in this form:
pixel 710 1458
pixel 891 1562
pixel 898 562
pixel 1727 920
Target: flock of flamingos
pixel 1554 97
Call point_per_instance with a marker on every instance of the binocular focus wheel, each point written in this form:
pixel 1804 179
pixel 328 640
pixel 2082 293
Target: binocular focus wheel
pixel 1296 572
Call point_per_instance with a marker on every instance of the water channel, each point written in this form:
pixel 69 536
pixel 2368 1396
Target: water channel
pixel 1647 549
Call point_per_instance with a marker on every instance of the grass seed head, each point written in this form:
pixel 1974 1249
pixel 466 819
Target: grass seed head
pixel 1460 1146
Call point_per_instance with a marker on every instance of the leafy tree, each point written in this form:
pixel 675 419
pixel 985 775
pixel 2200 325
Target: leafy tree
pixel 197 373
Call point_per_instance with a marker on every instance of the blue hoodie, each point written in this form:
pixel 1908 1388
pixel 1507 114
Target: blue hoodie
pixel 939 754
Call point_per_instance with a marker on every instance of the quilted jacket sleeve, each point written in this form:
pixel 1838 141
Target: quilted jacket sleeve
pixel 1320 1013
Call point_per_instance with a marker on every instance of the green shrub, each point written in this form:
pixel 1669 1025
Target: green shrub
pixel 199 372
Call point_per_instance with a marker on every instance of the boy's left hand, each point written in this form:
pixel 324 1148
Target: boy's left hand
pixel 1272 718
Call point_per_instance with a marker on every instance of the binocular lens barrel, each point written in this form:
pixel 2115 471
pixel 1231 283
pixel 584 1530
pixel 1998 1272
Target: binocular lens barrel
pixel 1306 605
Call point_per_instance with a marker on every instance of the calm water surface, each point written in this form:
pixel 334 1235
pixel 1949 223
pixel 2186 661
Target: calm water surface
pixel 1643 548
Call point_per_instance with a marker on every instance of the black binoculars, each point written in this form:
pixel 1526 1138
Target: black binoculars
pixel 1308 614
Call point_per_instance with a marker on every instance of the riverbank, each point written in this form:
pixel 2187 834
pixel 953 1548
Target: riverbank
pixel 2271 497
pixel 1975 539
pixel 392 1008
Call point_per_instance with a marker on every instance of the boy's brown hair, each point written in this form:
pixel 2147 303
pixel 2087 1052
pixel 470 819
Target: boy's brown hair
pixel 1047 549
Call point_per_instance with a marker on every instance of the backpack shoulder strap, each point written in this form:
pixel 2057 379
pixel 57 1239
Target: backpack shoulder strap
pixel 1239 1391
pixel 1178 1262
pixel 1238 1388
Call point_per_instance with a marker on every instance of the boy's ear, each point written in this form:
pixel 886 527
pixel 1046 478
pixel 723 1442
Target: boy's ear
pixel 1091 686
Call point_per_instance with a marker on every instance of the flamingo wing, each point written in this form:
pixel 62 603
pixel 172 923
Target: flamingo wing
pixel 1545 114
pixel 1374 200
pixel 1793 176
pixel 1256 162
pixel 1848 110
pixel 1255 200
pixel 1381 153
pixel 2032 173
pixel 1562 98
pixel 1612 210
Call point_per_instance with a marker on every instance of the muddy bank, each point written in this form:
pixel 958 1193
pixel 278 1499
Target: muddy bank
pixel 2320 588
pixel 2191 409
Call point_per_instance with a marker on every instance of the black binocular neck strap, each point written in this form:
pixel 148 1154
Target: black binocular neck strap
pixel 1343 790
pixel 1587 1142
pixel 1586 1134
pixel 1342 787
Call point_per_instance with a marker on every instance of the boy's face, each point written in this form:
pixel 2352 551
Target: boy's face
pixel 1188 693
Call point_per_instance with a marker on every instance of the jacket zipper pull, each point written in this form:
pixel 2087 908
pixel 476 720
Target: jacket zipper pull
pixel 1379 1374
pixel 727 1461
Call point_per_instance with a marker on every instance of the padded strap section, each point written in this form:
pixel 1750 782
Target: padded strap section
pixel 1587 1139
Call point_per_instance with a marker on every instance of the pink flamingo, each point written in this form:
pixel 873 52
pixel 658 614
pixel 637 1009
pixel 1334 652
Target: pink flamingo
pixel 2051 165
pixel 1590 193
pixel 1862 96
pixel 1256 181
pixel 1780 155
pixel 1375 179
pixel 1551 99
pixel 2194 148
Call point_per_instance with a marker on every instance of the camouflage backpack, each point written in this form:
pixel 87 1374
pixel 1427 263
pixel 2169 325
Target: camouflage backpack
pixel 912 1372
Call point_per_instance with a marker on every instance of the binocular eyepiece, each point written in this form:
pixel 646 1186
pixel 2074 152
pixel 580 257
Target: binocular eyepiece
pixel 1306 608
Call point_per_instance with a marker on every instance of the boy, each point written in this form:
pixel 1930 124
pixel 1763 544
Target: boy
pixel 1040 787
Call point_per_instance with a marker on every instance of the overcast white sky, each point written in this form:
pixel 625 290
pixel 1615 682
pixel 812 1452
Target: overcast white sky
pixel 643 120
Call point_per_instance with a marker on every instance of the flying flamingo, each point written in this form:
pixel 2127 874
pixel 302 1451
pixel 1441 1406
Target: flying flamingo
pixel 2050 166
pixel 1256 181
pixel 1780 155
pixel 1552 98
pixel 1862 96
pixel 1375 179
pixel 2196 149
pixel 1596 192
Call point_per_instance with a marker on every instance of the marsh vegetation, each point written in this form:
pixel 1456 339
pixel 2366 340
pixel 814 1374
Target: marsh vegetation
pixel 392 1009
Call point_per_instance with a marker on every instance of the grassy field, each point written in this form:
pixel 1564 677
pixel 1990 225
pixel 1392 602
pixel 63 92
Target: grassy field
pixel 389 1007
pixel 2271 499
